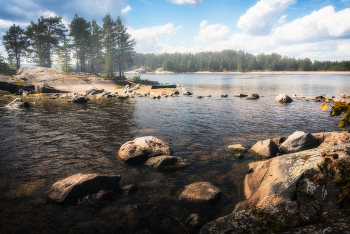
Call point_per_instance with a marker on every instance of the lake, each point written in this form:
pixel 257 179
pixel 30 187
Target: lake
pixel 54 139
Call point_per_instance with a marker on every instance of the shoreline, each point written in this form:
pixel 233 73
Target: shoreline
pixel 251 73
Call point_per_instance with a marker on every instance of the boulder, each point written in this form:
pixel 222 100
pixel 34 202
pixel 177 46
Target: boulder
pixel 246 222
pixel 209 95
pixel 237 147
pixel 283 98
pixel 253 96
pixel 199 97
pixel 345 95
pixel 141 149
pixel 79 99
pixel 275 180
pixel 130 189
pixel 75 187
pixel 18 103
pixel 187 93
pixel 201 192
pixel 224 95
pixel 240 95
pixel 166 163
pixel 298 141
pixel 176 92
pixel 267 148
pixel 195 220
pixel 92 90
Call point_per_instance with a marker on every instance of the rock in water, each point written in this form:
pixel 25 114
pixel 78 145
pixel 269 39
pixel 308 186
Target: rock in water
pixel 79 99
pixel 75 187
pixel 237 147
pixel 18 103
pixel 298 141
pixel 253 96
pixel 143 148
pixel 282 98
pixel 268 148
pixel 201 192
pixel 166 163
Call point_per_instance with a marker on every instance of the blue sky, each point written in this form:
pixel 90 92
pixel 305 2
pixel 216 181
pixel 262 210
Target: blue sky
pixel 317 29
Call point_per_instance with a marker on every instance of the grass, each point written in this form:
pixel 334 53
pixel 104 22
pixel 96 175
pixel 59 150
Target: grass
pixel 120 87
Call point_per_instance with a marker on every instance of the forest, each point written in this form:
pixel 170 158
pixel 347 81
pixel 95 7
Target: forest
pixel 92 48
pixel 232 60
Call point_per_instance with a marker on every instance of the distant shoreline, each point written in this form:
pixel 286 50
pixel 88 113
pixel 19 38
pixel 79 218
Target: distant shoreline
pixel 252 73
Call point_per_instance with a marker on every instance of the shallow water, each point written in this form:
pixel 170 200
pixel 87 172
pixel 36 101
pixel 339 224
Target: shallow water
pixel 54 139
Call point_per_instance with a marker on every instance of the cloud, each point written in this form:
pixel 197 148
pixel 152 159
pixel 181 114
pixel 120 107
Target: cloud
pixel 6 24
pixel 318 26
pixel 282 20
pixel 148 38
pixel 126 10
pixel 210 33
pixel 258 20
pixel 190 2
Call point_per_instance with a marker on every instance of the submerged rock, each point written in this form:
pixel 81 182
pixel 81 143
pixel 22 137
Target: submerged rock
pixel 240 95
pixel 237 147
pixel 75 187
pixel 130 189
pixel 224 95
pixel 18 103
pixel 195 220
pixel 201 192
pixel 143 148
pixel 253 96
pixel 283 98
pixel 166 163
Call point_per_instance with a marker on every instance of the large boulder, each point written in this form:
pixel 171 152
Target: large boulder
pixel 143 148
pixel 18 103
pixel 253 96
pixel 275 180
pixel 201 192
pixel 283 98
pixel 298 141
pixel 166 163
pixel 245 222
pixel 78 99
pixel 267 148
pixel 75 187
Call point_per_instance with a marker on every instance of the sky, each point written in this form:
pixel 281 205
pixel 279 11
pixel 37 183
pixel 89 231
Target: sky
pixel 316 29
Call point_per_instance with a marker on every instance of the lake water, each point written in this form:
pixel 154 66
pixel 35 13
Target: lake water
pixel 54 139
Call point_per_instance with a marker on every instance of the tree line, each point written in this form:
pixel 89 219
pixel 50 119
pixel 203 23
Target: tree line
pixel 232 60
pixel 94 48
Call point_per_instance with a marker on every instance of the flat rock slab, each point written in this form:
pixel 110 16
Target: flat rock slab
pixel 246 222
pixel 201 192
pixel 166 163
pixel 141 149
pixel 75 187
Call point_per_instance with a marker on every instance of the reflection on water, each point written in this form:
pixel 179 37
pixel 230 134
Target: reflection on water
pixel 54 139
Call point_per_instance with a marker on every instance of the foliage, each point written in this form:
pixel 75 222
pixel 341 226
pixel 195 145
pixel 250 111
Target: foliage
pixel 338 109
pixel 4 66
pixel 20 82
pixel 120 87
pixel 15 43
pixel 136 79
pixel 63 60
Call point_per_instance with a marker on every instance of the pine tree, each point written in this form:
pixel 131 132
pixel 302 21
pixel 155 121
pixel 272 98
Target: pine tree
pixel 15 43
pixel 109 43
pixel 125 47
pixel 45 36
pixel 81 36
pixel 63 61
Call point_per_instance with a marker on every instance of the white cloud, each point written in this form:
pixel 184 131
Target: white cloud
pixel 190 2
pixel 258 19
pixel 148 38
pixel 126 10
pixel 282 20
pixel 96 8
pixel 209 33
pixel 6 24
pixel 318 26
